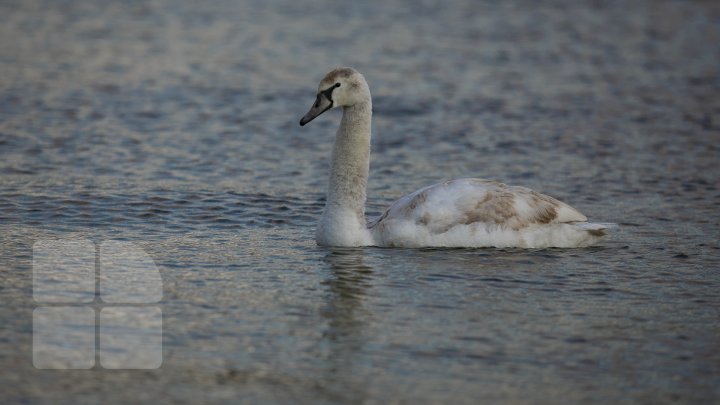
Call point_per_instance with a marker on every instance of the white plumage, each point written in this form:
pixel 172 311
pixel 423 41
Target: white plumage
pixel 456 213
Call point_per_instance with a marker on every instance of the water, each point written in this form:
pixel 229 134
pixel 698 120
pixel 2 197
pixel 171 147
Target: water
pixel 173 125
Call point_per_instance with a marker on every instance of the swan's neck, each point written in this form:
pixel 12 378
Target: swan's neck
pixel 351 159
pixel 343 221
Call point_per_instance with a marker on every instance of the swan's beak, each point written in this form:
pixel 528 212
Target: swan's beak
pixel 321 105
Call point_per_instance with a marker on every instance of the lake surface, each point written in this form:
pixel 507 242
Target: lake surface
pixel 174 126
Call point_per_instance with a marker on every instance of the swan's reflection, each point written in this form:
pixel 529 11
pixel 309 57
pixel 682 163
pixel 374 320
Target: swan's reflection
pixel 348 283
pixel 346 330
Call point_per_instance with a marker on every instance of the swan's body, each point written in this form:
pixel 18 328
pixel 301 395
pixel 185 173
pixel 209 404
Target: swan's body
pixel 458 213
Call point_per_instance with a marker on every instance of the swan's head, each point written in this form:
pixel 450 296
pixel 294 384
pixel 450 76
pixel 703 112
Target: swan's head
pixel 341 87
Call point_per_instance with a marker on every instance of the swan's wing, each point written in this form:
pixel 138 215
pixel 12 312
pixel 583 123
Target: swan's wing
pixel 441 207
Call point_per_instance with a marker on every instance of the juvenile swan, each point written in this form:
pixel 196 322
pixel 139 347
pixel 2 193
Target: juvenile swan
pixel 460 213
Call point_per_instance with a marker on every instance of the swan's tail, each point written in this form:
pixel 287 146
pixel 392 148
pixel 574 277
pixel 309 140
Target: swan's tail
pixel 597 230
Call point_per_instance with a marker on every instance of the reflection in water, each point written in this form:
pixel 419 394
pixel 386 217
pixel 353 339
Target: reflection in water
pixel 348 284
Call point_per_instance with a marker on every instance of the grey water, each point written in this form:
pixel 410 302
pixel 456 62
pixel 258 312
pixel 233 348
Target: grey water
pixel 174 125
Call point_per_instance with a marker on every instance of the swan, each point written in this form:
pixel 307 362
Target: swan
pixel 466 212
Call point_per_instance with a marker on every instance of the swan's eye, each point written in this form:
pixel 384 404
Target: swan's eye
pixel 328 92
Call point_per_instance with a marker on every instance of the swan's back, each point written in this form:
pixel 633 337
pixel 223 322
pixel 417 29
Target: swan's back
pixel 476 213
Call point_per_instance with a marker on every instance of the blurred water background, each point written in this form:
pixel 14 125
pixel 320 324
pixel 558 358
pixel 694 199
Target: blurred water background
pixel 173 125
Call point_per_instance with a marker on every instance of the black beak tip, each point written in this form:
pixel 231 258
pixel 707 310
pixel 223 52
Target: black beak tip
pixel 302 123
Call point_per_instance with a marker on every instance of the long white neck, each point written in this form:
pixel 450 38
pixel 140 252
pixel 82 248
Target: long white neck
pixel 343 220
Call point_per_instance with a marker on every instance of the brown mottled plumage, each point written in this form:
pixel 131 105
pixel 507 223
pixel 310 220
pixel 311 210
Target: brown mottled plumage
pixel 335 74
pixel 498 205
